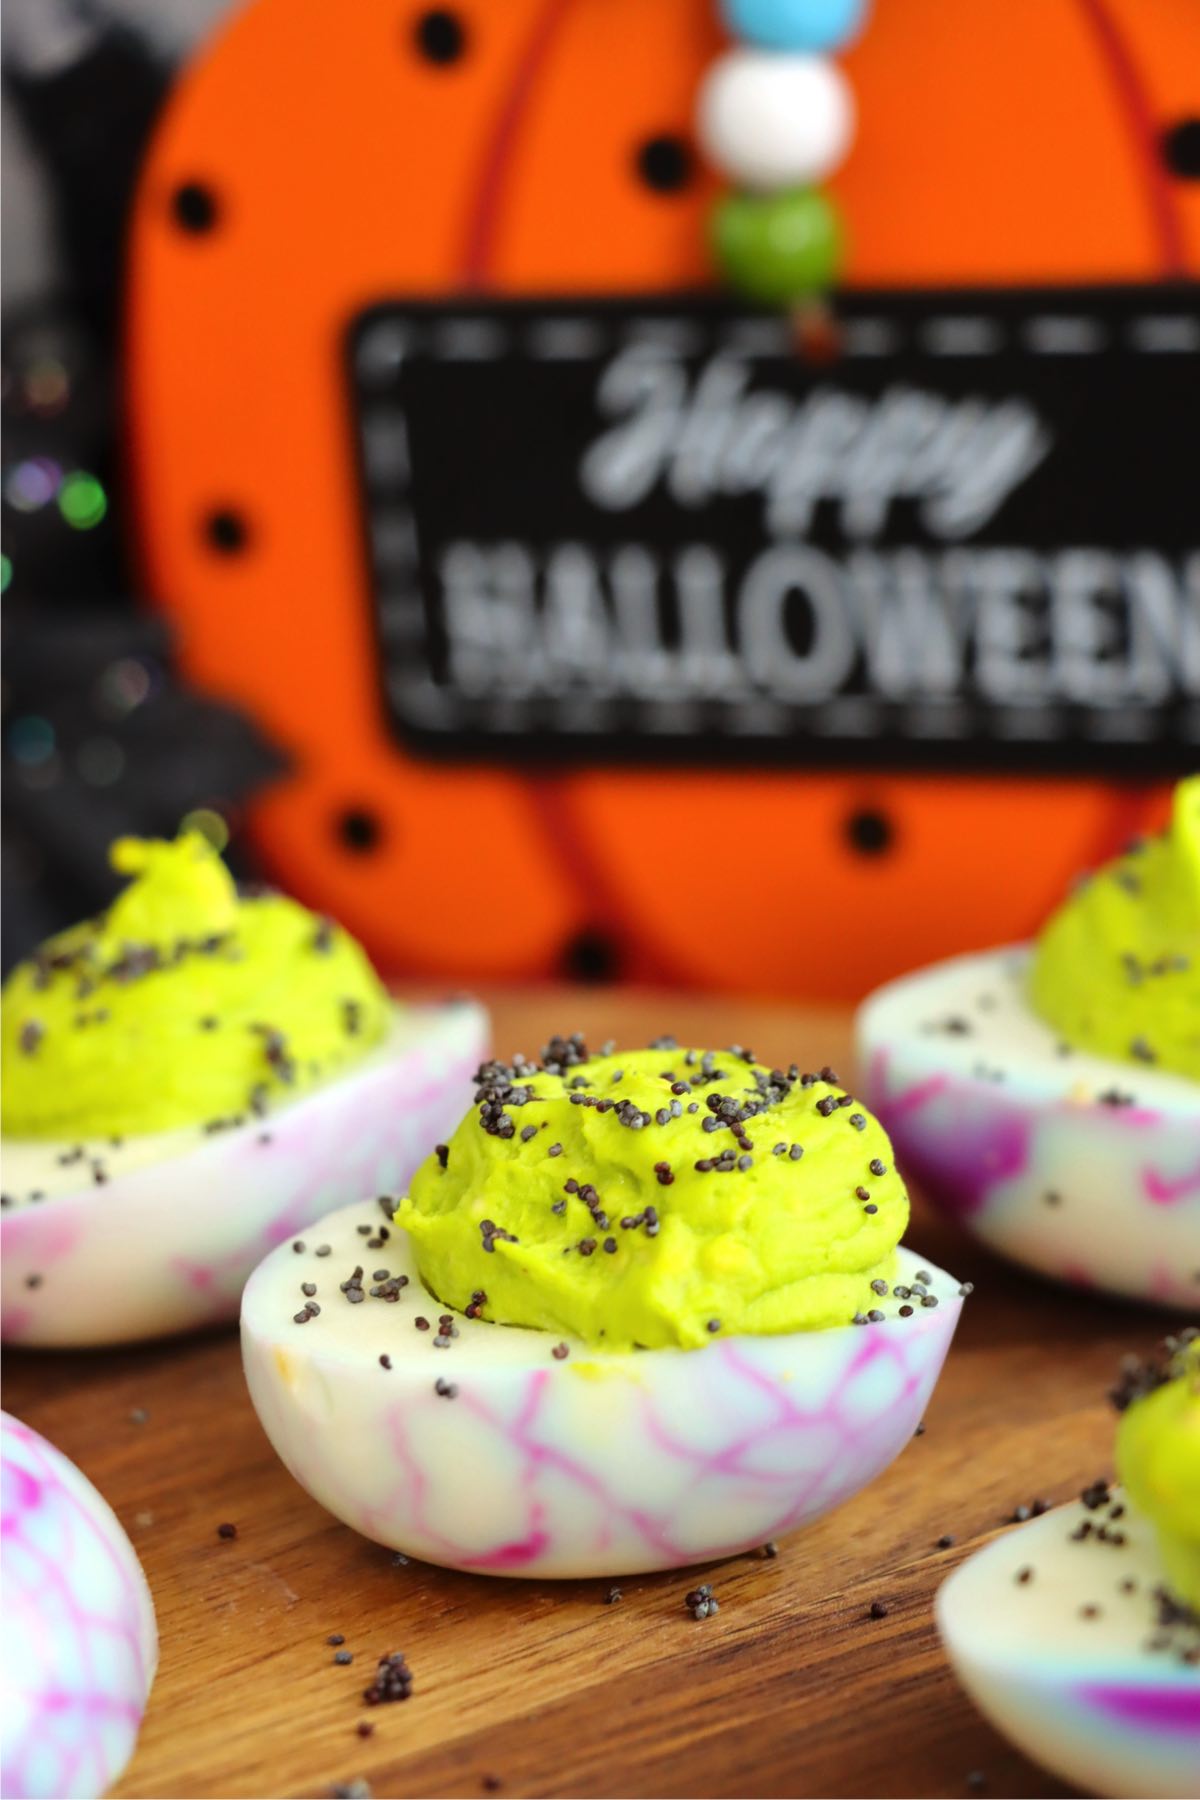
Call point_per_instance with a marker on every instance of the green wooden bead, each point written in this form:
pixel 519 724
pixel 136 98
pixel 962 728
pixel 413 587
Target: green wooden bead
pixel 778 249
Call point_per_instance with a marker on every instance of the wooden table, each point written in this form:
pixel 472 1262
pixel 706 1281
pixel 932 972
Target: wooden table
pixel 543 1688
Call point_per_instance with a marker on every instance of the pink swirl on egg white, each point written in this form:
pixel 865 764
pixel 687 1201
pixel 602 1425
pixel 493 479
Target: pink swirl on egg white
pixel 597 1464
pixel 1081 1167
pixel 78 1638
pixel 166 1245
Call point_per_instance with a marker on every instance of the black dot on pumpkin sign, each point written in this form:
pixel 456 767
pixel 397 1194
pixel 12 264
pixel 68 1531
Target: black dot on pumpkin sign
pixel 870 832
pixel 226 531
pixel 665 163
pixel 194 207
pixel 1181 148
pixel 591 955
pixel 359 829
pixel 440 36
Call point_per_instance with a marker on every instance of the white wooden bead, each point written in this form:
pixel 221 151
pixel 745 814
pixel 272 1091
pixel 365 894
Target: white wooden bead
pixel 768 120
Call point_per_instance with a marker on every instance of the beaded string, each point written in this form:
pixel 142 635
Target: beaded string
pixel 775 115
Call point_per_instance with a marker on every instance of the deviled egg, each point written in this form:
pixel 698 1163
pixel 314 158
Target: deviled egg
pixel 78 1641
pixel 1049 1095
pixel 1078 1634
pixel 641 1310
pixel 190 1078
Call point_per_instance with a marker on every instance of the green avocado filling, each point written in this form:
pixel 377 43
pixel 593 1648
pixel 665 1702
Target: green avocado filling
pixel 184 1004
pixel 1117 969
pixel 1158 1458
pixel 659 1197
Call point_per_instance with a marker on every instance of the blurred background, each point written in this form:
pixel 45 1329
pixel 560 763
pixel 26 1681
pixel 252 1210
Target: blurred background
pixel 606 490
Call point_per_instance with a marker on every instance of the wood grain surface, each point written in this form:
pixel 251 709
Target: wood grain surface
pixel 543 1688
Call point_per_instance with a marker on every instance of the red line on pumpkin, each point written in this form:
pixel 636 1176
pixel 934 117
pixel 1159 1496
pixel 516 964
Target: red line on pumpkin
pixel 498 153
pixel 548 794
pixel 1139 120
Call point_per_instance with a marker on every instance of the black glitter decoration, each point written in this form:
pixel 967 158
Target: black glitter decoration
pixel 133 752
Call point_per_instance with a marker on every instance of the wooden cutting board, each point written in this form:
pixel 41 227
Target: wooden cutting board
pixel 545 1688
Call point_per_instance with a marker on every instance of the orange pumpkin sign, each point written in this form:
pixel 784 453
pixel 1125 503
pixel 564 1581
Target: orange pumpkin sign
pixel 426 469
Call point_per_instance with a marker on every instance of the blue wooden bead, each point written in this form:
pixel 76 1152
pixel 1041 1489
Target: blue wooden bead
pixel 794 24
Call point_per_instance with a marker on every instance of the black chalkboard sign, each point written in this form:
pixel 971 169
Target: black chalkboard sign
pixel 647 529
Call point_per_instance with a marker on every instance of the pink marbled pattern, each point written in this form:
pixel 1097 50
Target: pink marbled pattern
pixel 991 1165
pixel 1095 1699
pixel 1101 1196
pixel 167 1246
pixel 602 1464
pixel 1163 1190
pixel 78 1638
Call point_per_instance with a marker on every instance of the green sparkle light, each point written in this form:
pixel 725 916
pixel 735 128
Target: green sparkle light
pixel 5 573
pixel 82 501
